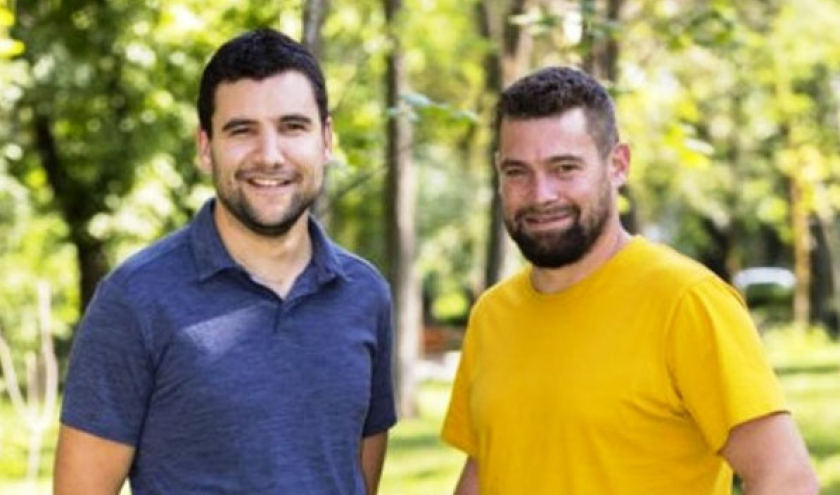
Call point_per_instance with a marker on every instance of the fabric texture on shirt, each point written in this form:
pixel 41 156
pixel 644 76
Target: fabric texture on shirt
pixel 224 387
pixel 626 383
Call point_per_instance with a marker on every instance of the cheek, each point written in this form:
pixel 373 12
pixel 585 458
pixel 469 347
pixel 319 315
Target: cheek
pixel 513 200
pixel 304 152
pixel 228 157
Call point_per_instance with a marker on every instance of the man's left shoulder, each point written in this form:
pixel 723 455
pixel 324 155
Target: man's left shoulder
pixel 665 261
pixel 673 274
pixel 359 271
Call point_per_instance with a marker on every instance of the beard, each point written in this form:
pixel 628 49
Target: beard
pixel 237 203
pixel 561 248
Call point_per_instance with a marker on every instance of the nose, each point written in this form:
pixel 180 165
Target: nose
pixel 270 150
pixel 545 188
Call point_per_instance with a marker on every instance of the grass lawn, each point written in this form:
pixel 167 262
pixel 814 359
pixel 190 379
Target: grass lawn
pixel 808 366
pixel 418 463
pixel 14 452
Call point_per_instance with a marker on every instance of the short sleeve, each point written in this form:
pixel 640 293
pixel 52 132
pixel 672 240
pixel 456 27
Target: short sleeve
pixel 382 412
pixel 110 375
pixel 458 429
pixel 718 362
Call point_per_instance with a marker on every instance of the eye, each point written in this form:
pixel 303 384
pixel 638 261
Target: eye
pixel 564 168
pixel 294 126
pixel 240 130
pixel 515 175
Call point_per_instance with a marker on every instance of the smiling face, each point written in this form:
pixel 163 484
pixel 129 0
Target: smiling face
pixel 558 192
pixel 268 151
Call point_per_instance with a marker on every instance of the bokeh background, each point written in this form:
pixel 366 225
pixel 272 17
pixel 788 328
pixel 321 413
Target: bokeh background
pixel 732 110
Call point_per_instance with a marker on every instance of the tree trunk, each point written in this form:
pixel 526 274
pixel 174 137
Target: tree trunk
pixel 92 260
pixel 90 252
pixel 611 46
pixel 500 70
pixel 599 46
pixel 826 268
pixel 801 254
pixel 314 15
pixel 600 53
pixel 715 256
pixel 400 205
pixel 589 39
pixel 496 236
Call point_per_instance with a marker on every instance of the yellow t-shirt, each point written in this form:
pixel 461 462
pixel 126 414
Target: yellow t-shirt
pixel 628 382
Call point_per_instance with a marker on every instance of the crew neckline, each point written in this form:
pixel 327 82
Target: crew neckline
pixel 623 256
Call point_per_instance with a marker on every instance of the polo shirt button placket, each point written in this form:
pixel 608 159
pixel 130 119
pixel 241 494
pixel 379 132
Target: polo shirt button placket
pixel 281 316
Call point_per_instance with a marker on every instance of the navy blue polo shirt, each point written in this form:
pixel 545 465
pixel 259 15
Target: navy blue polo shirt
pixel 224 387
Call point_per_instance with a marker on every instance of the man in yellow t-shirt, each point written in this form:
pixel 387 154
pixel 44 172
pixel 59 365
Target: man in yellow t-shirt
pixel 610 365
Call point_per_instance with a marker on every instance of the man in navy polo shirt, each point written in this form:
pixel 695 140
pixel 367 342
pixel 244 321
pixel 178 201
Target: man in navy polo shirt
pixel 245 353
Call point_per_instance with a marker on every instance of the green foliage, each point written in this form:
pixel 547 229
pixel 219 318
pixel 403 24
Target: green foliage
pixel 724 104
pixel 446 79
pixel 731 108
pixel 9 47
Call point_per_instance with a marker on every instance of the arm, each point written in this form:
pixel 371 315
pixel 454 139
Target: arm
pixel 372 457
pixel 770 457
pixel 89 465
pixel 468 483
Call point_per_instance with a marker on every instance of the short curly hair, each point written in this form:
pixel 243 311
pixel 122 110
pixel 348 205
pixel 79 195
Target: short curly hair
pixel 555 90
pixel 257 55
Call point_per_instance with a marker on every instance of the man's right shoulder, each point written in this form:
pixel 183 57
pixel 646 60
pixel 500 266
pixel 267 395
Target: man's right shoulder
pixel 166 259
pixel 509 290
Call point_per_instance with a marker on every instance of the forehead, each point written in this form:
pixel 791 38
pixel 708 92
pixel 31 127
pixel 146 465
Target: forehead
pixel 543 137
pixel 286 93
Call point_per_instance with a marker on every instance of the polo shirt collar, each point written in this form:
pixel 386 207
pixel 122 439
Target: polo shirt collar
pixel 324 254
pixel 211 256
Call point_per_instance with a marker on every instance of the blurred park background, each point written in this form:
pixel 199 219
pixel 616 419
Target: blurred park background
pixel 732 110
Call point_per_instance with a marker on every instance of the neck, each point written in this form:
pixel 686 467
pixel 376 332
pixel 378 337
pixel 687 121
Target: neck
pixel 552 280
pixel 275 262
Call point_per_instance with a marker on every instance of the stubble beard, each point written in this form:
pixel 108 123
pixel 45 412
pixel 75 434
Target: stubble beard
pixel 565 247
pixel 235 201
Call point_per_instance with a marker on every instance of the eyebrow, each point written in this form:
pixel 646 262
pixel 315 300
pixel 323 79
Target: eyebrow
pixel 566 157
pixel 562 158
pixel 295 118
pixel 511 162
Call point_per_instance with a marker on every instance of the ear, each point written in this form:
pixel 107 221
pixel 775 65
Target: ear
pixel 619 164
pixel 205 159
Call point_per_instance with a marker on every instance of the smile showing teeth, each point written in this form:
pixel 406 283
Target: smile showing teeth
pixel 268 182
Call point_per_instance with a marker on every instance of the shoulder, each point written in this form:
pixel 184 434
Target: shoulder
pixel 153 266
pixel 513 290
pixel 670 273
pixel 691 292
pixel 119 310
pixel 361 273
